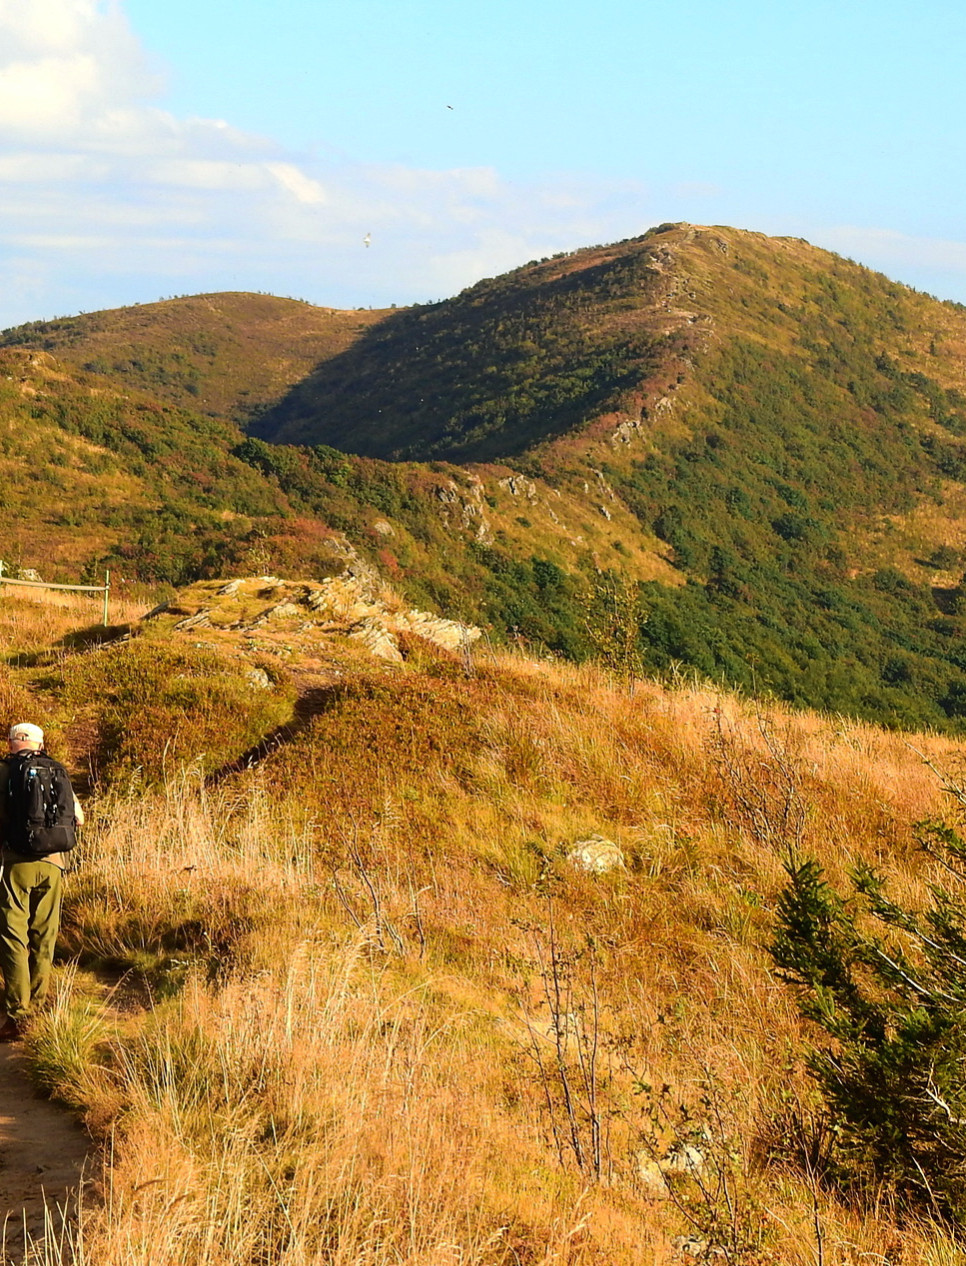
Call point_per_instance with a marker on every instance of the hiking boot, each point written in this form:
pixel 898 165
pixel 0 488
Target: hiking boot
pixel 10 1030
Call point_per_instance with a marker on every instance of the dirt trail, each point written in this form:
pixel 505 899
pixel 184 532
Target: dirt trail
pixel 42 1154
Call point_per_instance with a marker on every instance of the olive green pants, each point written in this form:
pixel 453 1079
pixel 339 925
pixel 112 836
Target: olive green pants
pixel 29 921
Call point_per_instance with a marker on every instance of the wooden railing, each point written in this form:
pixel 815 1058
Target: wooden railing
pixel 105 589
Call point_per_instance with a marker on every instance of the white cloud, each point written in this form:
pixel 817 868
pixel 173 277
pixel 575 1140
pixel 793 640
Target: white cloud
pixel 295 182
pixel 62 241
pixel 65 65
pixel 43 26
pixel 897 250
pixel 202 173
pixel 105 198
pixel 52 168
pixel 46 96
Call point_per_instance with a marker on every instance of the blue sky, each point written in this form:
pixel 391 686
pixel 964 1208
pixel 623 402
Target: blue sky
pixel 150 148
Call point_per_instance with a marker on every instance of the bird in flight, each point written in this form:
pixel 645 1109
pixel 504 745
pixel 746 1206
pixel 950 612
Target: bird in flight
pixel 367 240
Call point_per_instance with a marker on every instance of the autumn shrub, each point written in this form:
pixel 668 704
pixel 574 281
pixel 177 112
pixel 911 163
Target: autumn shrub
pixel 157 707
pixel 379 732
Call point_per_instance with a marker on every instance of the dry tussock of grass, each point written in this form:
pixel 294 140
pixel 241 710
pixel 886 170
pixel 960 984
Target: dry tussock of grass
pixel 345 950
pixel 334 1110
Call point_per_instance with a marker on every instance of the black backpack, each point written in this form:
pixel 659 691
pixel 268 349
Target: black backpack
pixel 40 806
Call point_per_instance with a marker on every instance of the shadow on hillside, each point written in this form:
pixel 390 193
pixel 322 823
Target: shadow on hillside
pixel 946 600
pixel 90 639
pixel 94 636
pixel 308 705
pixel 481 377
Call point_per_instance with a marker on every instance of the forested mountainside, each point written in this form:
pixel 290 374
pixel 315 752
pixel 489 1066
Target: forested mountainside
pixel 748 452
pixel 549 348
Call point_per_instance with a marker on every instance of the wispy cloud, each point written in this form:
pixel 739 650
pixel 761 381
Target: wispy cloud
pixel 933 263
pixel 107 198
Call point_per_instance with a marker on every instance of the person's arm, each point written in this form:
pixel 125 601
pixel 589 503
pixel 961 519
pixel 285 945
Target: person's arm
pixel 78 812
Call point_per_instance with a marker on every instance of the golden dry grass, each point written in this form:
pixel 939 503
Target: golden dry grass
pixel 328 985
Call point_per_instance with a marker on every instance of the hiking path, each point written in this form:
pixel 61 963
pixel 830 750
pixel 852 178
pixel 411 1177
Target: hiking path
pixel 42 1153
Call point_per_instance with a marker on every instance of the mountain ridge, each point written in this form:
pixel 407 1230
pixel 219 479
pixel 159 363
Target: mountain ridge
pixel 684 287
pixel 764 440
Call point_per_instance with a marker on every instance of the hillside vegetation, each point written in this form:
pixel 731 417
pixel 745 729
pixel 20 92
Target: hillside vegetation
pixel 227 355
pixel 351 999
pixel 506 364
pixel 724 452
pixel 98 475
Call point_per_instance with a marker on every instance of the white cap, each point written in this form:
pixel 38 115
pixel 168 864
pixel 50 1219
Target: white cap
pixel 26 733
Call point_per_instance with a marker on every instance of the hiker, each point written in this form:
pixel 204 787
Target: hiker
pixel 38 813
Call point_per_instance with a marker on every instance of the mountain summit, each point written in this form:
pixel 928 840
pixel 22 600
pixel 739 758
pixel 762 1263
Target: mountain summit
pixel 521 360
pixel 738 454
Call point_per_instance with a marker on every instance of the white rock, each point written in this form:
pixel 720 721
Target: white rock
pixel 284 611
pixel 377 639
pixel 652 1176
pixel 518 485
pixel 683 1158
pixel 200 620
pixel 449 634
pixel 596 855
pixel 691 1246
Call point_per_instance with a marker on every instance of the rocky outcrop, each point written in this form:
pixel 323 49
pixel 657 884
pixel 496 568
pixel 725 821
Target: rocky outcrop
pixel 462 508
pixel 347 605
pixel 519 486
pixel 375 637
pixel 449 634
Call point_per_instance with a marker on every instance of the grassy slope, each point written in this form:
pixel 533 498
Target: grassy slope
pixel 344 946
pixel 223 354
pixel 769 437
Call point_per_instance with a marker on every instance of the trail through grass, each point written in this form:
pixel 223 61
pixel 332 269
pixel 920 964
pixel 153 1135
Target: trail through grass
pixel 347 1046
